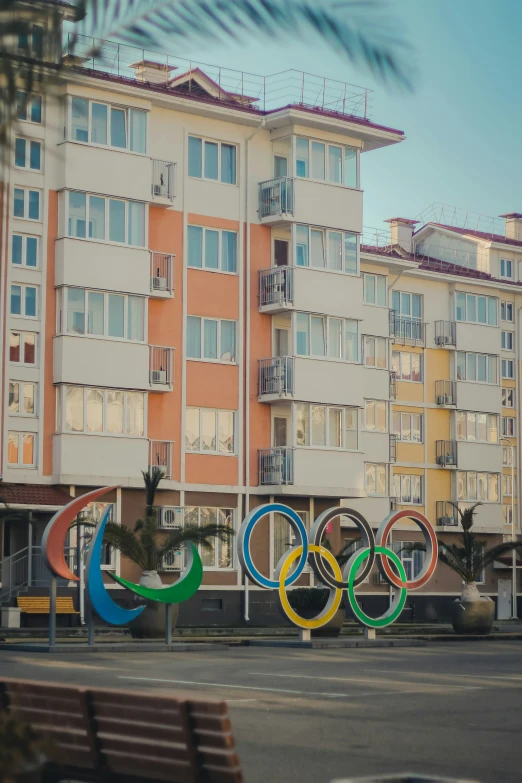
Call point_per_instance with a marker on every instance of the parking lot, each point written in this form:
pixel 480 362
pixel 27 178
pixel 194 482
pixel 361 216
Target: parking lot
pixel 452 710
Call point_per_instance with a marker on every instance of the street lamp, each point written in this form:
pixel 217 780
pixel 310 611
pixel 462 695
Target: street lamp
pixel 513 553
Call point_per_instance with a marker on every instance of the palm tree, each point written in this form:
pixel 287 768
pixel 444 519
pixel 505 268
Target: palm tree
pixel 361 32
pixel 148 546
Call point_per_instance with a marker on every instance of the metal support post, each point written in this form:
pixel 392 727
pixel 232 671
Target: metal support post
pixel 90 619
pixel 168 623
pixel 305 635
pixel 30 552
pixel 52 610
pixel 369 634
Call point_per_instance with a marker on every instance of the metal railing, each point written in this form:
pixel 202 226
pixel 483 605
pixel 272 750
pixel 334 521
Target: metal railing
pixel 160 365
pixel 445 393
pixel 445 333
pixel 27 568
pixel 446 514
pixel 393 384
pixel 446 451
pixel 276 197
pixel 394 503
pixel 393 447
pixel 276 375
pixel 276 286
pixel 160 456
pixel 161 272
pixel 162 179
pixel 405 329
pixel 276 465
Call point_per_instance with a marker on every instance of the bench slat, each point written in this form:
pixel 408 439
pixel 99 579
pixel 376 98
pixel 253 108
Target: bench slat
pixel 41 702
pixel 170 771
pixel 156 750
pixel 211 722
pixel 216 775
pixel 45 689
pixel 42 604
pixel 148 713
pixel 214 739
pixel 41 717
pixel 130 729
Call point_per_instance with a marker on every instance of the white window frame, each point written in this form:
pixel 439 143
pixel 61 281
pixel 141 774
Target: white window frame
pixel 507 340
pixel 471 437
pixel 105 240
pixel 219 231
pixel 26 192
pixel 507 394
pixel 226 512
pixel 504 265
pixel 327 144
pixel 219 143
pixel 368 427
pixel 62 313
pixel 507 485
pixel 366 353
pixel 327 447
pixel 219 321
pixel 377 278
pixel 61 427
pixel 507 512
pixel 509 427
pixel 292 541
pixel 326 245
pixel 476 297
pixel 126 109
pixel 468 499
pixel 217 413
pixel 20 411
pixel 22 333
pixel 28 107
pixel 404 418
pixel 27 166
pixel 402 495
pixel 474 380
pixel 400 371
pixel 507 308
pixel 508 369
pixel 21 436
pixel 327 319
pixel 30 49
pixel 379 468
pixel 506 456
pixel 25 237
pixel 22 314
pixel 408 558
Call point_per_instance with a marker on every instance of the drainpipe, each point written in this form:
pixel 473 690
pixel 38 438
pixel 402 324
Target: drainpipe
pixel 247 353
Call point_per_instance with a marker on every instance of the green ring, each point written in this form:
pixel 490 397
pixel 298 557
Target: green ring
pixel 398 602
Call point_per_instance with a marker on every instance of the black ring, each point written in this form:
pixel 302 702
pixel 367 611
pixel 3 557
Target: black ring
pixel 316 534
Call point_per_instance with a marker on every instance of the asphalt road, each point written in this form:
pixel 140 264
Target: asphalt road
pixel 452 710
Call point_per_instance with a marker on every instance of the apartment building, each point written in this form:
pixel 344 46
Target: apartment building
pixel 184 286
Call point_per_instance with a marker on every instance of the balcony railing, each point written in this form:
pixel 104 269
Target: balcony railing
pixel 276 376
pixel 393 384
pixel 446 514
pixel 276 197
pixel 160 456
pixel 446 451
pixel 276 466
pixel 160 365
pixel 162 179
pixel 394 503
pixel 161 272
pixel 276 286
pixel 445 393
pixel 405 329
pixel 393 447
pixel 446 333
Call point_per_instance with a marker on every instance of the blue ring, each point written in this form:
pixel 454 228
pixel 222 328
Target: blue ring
pixel 244 541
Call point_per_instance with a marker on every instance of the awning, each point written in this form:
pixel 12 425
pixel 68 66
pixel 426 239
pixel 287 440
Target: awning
pixel 36 496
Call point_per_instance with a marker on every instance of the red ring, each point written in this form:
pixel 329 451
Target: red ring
pixel 426 527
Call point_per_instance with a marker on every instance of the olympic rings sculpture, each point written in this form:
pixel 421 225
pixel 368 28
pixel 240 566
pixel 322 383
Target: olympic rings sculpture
pixel 326 568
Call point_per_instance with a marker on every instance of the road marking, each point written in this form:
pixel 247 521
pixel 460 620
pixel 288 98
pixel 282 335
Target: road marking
pixel 357 679
pixel 481 675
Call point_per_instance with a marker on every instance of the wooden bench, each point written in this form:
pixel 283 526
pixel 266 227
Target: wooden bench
pixel 41 604
pixel 116 735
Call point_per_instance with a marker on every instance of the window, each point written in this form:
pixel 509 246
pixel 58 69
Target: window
pixel 407 489
pixel 24 250
pixel 107 219
pixel 212 160
pixel 507 513
pixel 508 426
pixel 284 536
pixel 209 248
pixel 506 311
pixel 26 203
pixel 476 367
pixel 99 314
pixel 210 431
pixel 375 350
pixel 508 397
pixel 102 411
pixel 28 154
pixel 407 366
pixel 508 454
pixel 481 427
pixel 322 336
pixel 31 43
pixel 476 309
pixel 507 486
pixel 219 555
pixel 508 368
pixel 375 412
pixel 28 107
pixel 375 478
pixel 24 300
pixel 22 398
pixel 322 249
pixel 22 348
pixel 408 426
pixel 92 122
pixel 375 290
pixel 507 340
pixel 326 162
pixel 324 426
pixel 506 268
pixel 211 339
pixel 477 486
pixel 21 452
pixel 407 305
pixel 412 561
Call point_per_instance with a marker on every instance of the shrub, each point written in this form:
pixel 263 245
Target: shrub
pixel 311 598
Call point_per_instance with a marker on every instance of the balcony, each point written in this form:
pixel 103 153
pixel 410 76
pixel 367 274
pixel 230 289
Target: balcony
pixel 276 376
pixel 406 330
pixel 160 368
pixel 160 456
pixel 312 471
pixel 276 199
pixel 162 186
pixel 393 385
pixel 393 447
pixel 161 275
pixel 276 466
pixel 446 514
pixel 446 453
pixel 446 394
pixel 488 516
pixel 446 334
pixel 276 289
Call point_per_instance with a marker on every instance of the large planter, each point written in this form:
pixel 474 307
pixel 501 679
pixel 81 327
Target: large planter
pixel 472 613
pixel 151 623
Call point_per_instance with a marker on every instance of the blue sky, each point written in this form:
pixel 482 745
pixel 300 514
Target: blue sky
pixel 463 121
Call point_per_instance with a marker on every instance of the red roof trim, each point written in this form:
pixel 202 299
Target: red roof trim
pixel 33 495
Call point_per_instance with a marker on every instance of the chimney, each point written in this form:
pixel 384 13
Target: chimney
pixel 401 232
pixel 151 71
pixel 513 225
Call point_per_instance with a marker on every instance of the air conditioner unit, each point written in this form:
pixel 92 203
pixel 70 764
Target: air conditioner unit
pixel 158 376
pixel 174 561
pixel 159 283
pixel 170 516
pixel 444 399
pixel 446 521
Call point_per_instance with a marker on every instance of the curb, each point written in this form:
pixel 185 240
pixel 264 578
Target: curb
pixel 113 647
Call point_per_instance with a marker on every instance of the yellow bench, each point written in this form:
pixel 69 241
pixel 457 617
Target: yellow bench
pixel 41 604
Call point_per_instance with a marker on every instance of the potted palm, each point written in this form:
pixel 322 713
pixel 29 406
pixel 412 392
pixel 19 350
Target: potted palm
pixel 472 613
pixel 149 547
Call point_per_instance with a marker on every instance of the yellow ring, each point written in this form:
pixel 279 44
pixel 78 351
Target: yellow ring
pixel 335 592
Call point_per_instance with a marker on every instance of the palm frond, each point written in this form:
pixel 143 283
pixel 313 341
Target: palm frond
pixel 127 542
pixel 151 479
pixel 494 552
